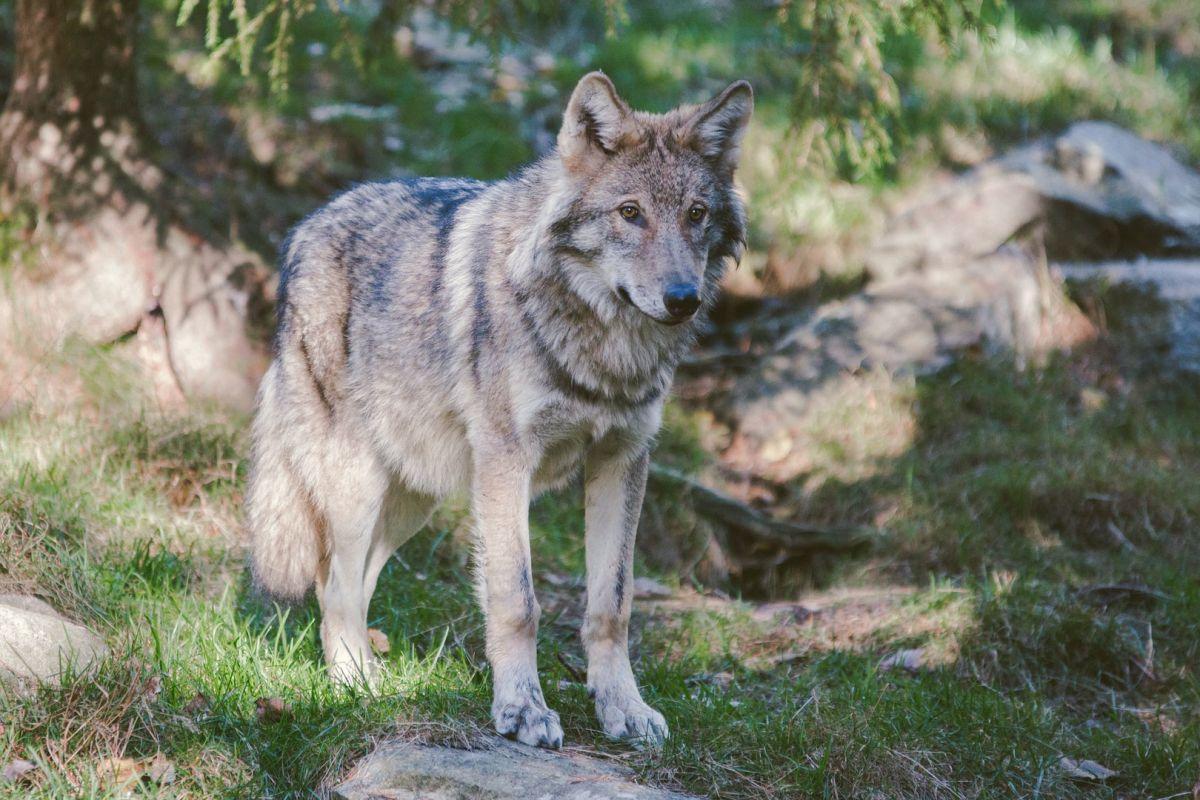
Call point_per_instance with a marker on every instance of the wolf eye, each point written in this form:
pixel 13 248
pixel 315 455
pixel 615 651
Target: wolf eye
pixel 630 211
pixel 697 212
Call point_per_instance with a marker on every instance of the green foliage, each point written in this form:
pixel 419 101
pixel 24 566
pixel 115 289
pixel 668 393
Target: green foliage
pixel 236 29
pixel 845 101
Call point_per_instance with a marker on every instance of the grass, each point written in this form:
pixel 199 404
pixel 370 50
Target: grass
pixel 997 511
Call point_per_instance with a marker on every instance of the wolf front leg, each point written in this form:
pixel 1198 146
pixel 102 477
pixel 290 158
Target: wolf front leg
pixel 500 500
pixel 616 484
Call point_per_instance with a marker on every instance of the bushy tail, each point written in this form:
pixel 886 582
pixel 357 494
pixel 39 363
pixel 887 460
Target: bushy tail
pixel 285 532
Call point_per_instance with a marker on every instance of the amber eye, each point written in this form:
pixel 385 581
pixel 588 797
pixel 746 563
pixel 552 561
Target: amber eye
pixel 630 211
pixel 696 213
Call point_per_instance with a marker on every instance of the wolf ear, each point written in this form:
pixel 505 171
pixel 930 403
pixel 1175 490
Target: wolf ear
pixel 715 129
pixel 595 121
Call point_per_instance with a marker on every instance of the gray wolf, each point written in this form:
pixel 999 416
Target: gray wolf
pixel 439 336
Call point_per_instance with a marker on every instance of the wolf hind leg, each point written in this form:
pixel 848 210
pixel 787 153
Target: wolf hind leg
pixel 404 513
pixel 350 497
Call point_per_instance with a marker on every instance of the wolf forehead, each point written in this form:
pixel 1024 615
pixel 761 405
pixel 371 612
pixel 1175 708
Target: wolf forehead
pixel 657 159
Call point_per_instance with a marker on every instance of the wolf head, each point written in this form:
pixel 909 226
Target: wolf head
pixel 654 211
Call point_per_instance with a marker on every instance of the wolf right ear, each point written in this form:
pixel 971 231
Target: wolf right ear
pixel 595 121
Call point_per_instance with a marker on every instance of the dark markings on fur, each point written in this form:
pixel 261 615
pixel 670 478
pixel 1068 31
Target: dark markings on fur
pixel 632 489
pixel 592 128
pixel 527 598
pixel 564 382
pixel 481 328
pixel 562 231
pixel 535 693
pixel 446 202
pixel 731 235
pixel 322 393
pixel 349 265
pixel 287 269
pixel 549 302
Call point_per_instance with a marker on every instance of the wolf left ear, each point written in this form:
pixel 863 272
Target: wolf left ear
pixel 595 121
pixel 715 130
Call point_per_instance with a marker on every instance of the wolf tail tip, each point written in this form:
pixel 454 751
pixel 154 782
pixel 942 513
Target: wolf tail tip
pixel 285 541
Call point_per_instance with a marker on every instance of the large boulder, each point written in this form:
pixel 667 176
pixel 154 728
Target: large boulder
pixel 964 267
pixel 1095 192
pixel 1111 194
pixel 37 644
pixel 499 770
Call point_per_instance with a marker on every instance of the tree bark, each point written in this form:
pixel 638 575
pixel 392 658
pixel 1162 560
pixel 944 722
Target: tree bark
pixel 118 249
pixel 73 94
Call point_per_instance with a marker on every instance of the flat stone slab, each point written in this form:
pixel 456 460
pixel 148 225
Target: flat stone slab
pixel 37 643
pixel 501 770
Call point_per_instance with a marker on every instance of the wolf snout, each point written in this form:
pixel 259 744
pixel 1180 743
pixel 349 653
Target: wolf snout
pixel 681 300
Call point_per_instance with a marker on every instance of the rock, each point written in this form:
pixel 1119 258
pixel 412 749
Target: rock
pixel 911 660
pixel 1147 201
pixel 502 770
pixel 955 223
pixel 1085 769
pixel 1176 282
pixel 37 643
pixel 962 268
pixel 915 323
pixel 210 310
pixel 1095 192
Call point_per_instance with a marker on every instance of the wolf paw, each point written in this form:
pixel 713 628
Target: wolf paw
pixel 347 670
pixel 353 668
pixel 529 722
pixel 627 717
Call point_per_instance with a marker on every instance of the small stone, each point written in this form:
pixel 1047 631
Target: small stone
pixel 911 660
pixel 1085 769
pixel 16 770
pixel 38 644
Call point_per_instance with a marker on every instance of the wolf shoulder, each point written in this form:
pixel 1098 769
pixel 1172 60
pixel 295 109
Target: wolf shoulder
pixel 370 223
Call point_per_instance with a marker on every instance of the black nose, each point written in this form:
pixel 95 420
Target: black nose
pixel 681 300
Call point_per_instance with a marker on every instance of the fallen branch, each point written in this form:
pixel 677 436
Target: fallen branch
pixel 734 516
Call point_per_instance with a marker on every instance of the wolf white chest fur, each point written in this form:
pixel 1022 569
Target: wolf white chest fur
pixel 442 335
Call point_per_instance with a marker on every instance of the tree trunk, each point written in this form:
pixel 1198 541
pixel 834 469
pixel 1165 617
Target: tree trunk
pixel 74 87
pixel 118 248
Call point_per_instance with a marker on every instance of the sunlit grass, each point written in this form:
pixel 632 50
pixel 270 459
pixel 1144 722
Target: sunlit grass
pixel 1019 83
